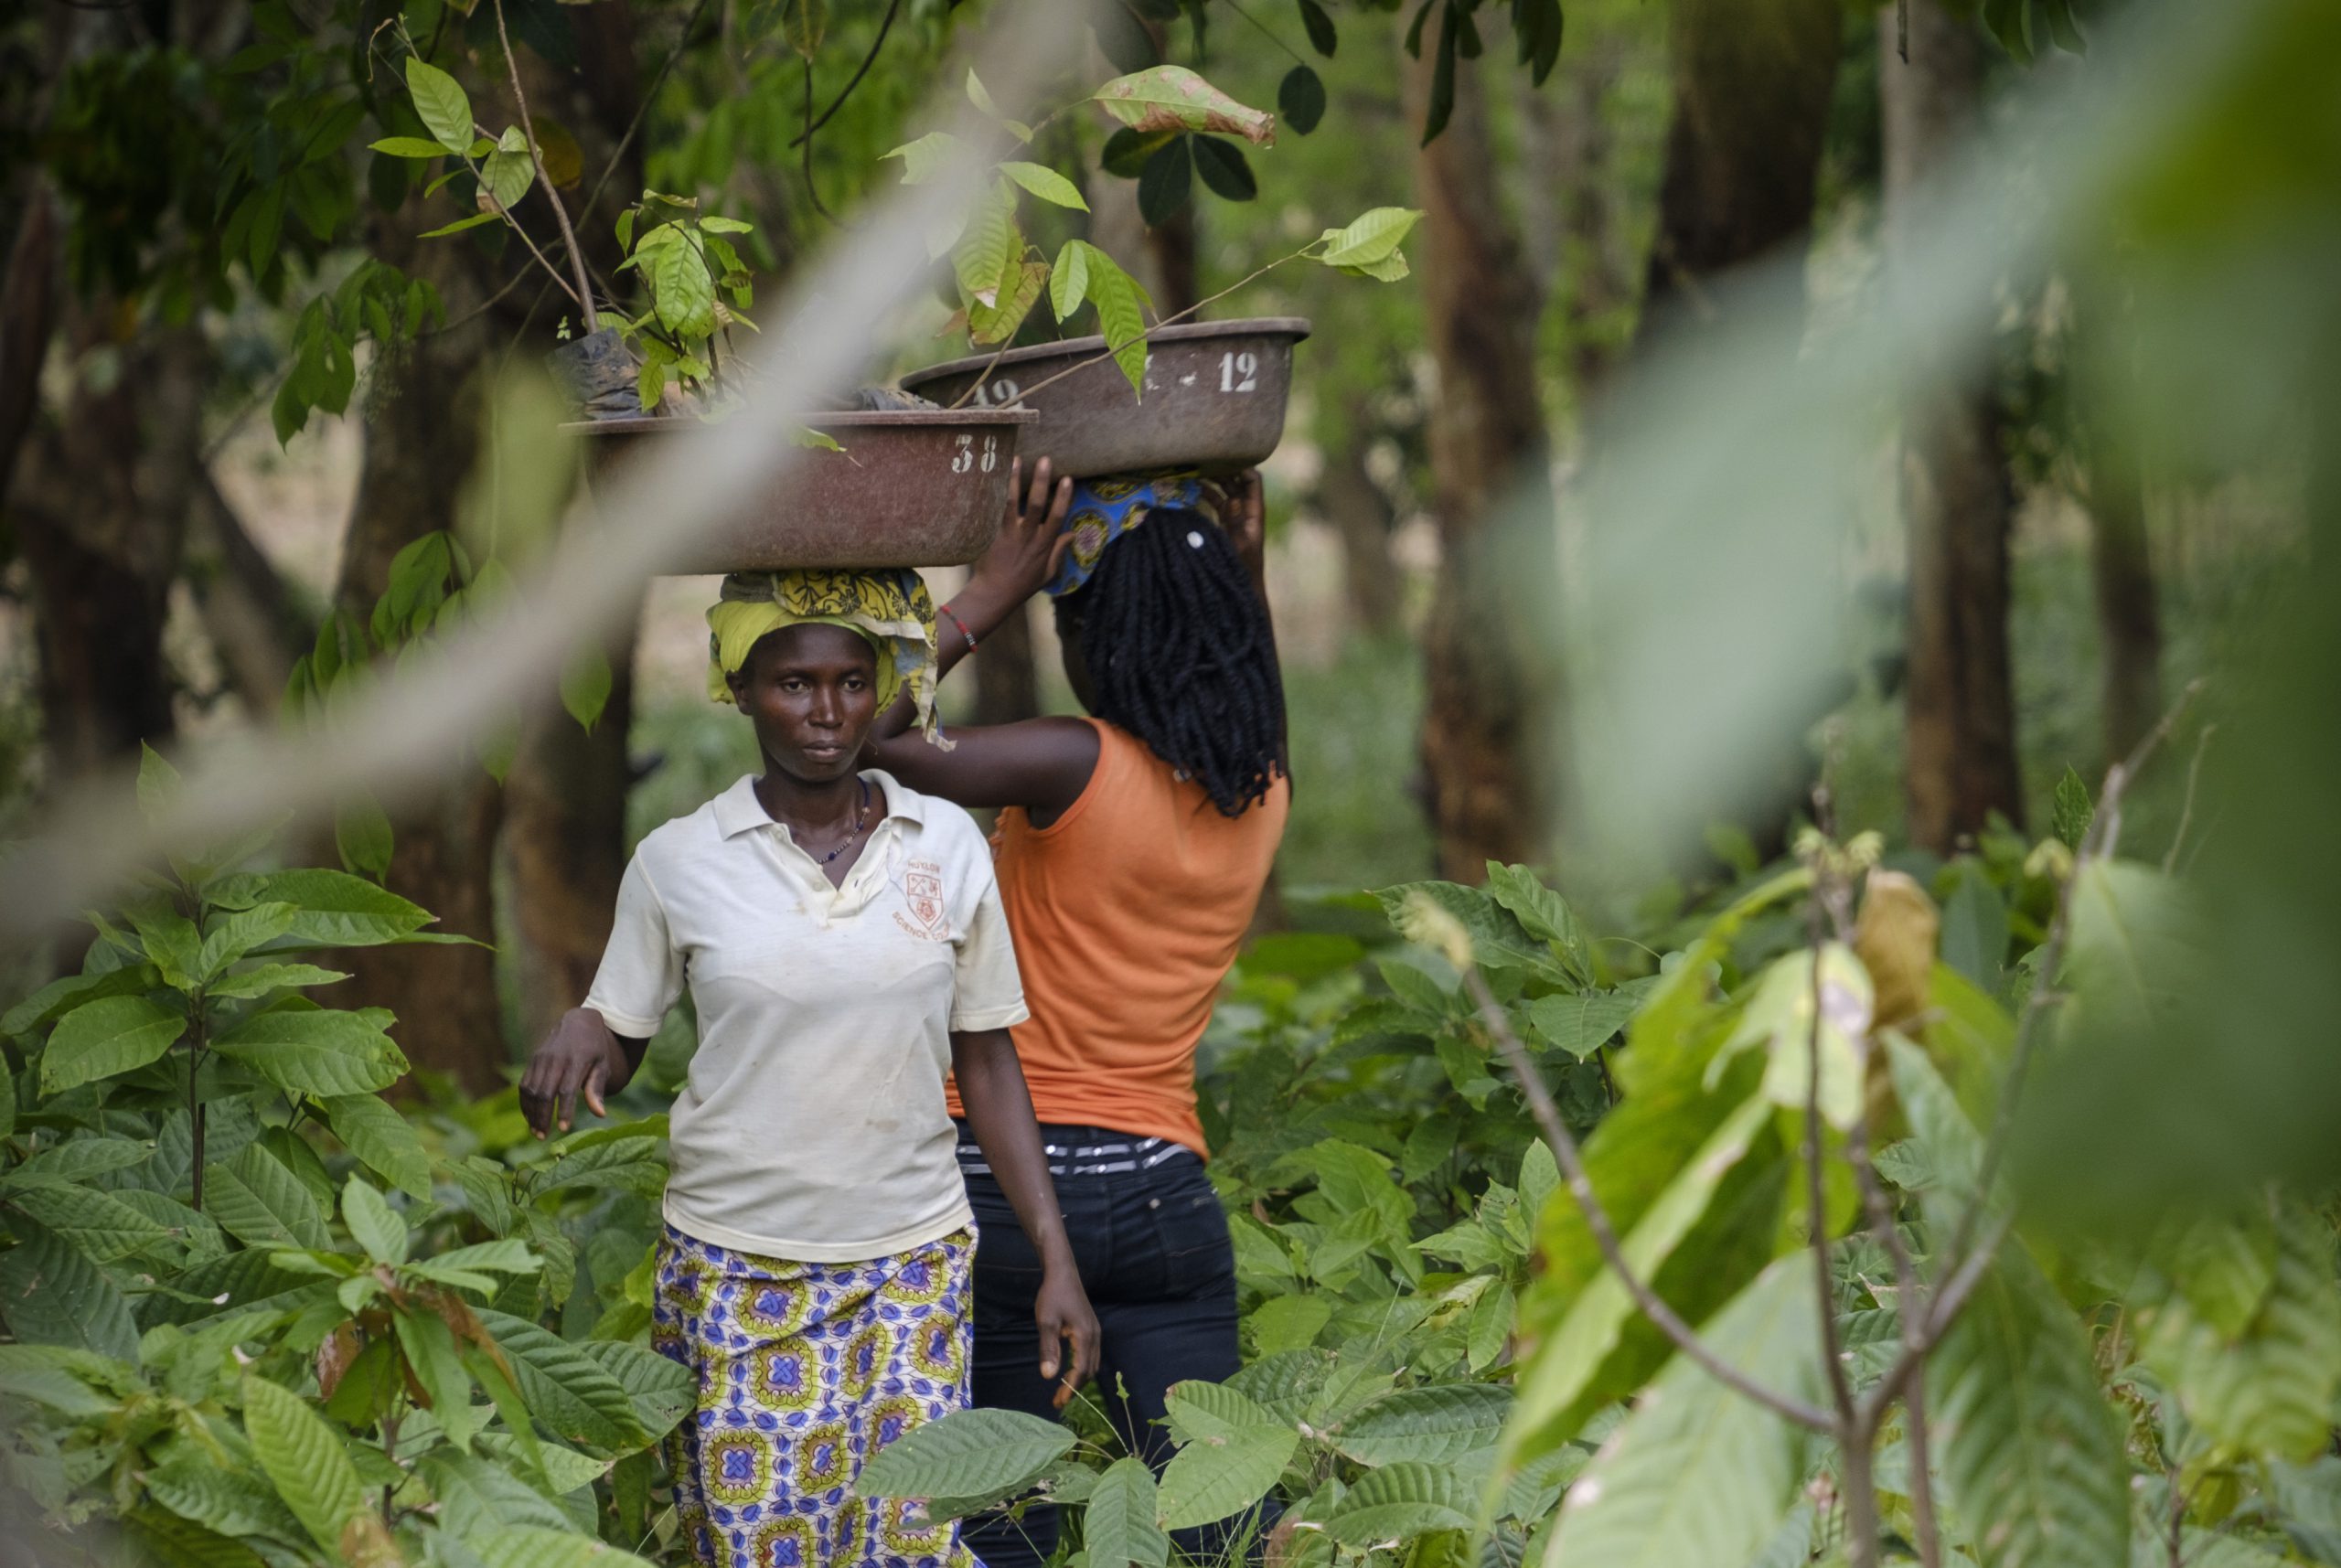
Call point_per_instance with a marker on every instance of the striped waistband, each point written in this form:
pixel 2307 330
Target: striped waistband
pixel 1091 1160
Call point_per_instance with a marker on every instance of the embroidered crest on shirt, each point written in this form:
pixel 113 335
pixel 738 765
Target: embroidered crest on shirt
pixel 923 898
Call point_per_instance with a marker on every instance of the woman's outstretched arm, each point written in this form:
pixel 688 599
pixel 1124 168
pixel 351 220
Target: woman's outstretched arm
pixel 1000 1109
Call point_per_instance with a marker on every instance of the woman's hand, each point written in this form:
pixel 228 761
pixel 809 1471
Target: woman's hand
pixel 1030 545
pixel 582 1056
pixel 1063 1311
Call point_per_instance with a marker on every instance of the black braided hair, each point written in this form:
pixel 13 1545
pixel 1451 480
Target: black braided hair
pixel 1179 653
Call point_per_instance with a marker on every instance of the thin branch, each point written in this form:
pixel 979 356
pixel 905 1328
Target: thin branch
pixel 1840 1392
pixel 855 80
pixel 2186 812
pixel 537 162
pixel 1604 1235
pixel 642 109
pixel 812 189
pixel 513 223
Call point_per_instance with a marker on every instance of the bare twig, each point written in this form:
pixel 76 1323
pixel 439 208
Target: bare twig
pixel 2187 811
pixel 1604 1235
pixel 853 81
pixel 1841 1391
pixel 1902 29
pixel 536 161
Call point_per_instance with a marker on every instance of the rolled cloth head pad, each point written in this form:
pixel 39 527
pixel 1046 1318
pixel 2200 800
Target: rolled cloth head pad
pixel 890 607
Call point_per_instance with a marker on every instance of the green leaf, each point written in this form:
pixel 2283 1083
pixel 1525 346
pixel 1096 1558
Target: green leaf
pixel 507 175
pixel 172 942
pixel 373 1223
pixel 1172 97
pixel 585 688
pixel 1119 300
pixel 539 1546
pixel 408 147
pixel 924 160
pixel 1558 1386
pixel 377 1134
pixel 1442 76
pixel 62 996
pixel 1045 183
pixel 1197 1410
pixel 1319 25
pixel 2264 1383
pixel 2071 810
pixel 1435 1425
pixel 1118 1528
pixel 968 1453
pixel 1544 914
pixel 1489 1330
pixel 1068 283
pixel 262 978
pixel 316 1050
pixel 476 1495
pixel 2136 953
pixel 1582 1023
pixel 98 1224
pixel 362 833
pixel 1398 1503
pixel 1780 1022
pixel 682 291
pixel 1975 926
pixel 1946 1144
pixel 446 113
pixel 803 24
pixel 1224 169
pixel 261 1203
pixel 228 1499
pixel 1499 940
pixel 331 909
pixel 565 1388
pixel 1300 99
pixel 1287 1322
pixel 78 1159
pixel 305 1460
pixel 163 1541
pixel 53 1294
pixel 112 1035
pixel 991 242
pixel 1166 182
pixel 662 1390
pixel 1214 1477
pixel 1374 236
pixel 234 935
pixel 2030 1455
pixel 1700 1473
pixel 158 783
pixel 473 221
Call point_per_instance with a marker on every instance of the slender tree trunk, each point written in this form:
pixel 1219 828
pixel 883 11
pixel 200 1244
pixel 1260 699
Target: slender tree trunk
pixel 1591 260
pixel 1007 677
pixel 564 803
pixel 2128 620
pixel 1961 762
pixel 1482 725
pixel 1363 516
pixel 1752 83
pixel 99 509
pixel 422 428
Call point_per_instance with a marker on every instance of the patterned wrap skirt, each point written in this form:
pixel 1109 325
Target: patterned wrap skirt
pixel 805 1371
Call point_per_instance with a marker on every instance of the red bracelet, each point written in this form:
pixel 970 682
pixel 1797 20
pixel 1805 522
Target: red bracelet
pixel 962 626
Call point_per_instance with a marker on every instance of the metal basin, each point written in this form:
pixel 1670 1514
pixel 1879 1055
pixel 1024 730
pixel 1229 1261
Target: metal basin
pixel 913 488
pixel 1214 397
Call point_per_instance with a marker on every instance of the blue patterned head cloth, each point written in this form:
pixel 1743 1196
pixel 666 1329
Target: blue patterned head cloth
pixel 1106 508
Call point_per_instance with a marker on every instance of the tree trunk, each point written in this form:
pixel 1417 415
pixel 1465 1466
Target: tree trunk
pixel 2129 621
pixel 1752 84
pixel 1961 762
pixel 1591 256
pixel 564 802
pixel 247 613
pixel 99 517
pixel 1362 516
pixel 1008 677
pixel 421 429
pixel 1482 723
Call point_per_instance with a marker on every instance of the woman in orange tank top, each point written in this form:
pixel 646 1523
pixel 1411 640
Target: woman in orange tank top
pixel 1132 849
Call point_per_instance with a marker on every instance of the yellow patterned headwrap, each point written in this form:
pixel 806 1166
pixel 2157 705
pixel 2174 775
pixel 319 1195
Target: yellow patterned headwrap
pixel 891 608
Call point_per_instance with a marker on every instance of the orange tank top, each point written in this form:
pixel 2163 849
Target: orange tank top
pixel 1126 911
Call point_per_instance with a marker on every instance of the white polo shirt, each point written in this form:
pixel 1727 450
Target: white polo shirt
pixel 813 1126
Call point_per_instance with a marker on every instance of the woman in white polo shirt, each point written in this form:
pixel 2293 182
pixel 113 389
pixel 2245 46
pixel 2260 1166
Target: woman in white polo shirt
pixel 842 941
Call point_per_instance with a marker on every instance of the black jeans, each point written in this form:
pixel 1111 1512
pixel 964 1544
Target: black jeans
pixel 1152 1245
